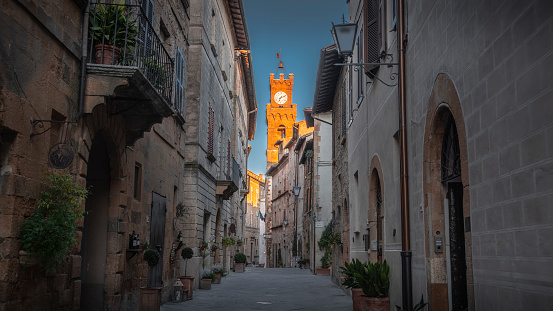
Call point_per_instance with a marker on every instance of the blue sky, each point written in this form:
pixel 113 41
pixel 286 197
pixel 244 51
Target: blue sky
pixel 298 29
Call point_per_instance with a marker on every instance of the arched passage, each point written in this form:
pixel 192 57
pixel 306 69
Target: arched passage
pixel 447 202
pixel 94 242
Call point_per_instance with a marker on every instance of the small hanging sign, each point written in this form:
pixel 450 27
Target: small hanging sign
pixel 61 155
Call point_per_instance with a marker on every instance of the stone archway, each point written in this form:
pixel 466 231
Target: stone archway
pixel 444 197
pixel 375 215
pixel 100 152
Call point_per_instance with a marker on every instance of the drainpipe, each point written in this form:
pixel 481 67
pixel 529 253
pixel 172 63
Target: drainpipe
pixel 83 61
pixel 406 280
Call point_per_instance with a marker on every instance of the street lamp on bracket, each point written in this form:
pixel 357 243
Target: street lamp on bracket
pixel 344 39
pixel 295 246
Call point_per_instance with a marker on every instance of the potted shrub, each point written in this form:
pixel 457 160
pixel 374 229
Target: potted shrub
pixel 150 297
pixel 218 271
pixel 50 233
pixel 349 271
pixel 187 281
pixel 207 278
pixel 325 243
pixel 112 28
pixel 239 262
pixel 375 283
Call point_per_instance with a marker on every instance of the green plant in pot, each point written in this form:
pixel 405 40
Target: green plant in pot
pixel 152 256
pixel 375 283
pixel 186 253
pixel 350 281
pixel 112 30
pixel 239 262
pixel 50 232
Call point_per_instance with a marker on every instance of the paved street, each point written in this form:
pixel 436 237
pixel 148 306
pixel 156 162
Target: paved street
pixel 268 289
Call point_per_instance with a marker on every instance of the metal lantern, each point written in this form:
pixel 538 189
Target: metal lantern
pixel 177 291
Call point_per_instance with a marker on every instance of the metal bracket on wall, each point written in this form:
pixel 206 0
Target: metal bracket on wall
pixel 37 126
pixel 393 76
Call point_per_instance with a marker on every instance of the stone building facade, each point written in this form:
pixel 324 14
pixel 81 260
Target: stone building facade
pixel 253 221
pixel 118 127
pixel 478 156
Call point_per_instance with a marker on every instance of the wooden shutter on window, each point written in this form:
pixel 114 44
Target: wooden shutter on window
pixel 211 130
pixel 371 26
pixel 179 85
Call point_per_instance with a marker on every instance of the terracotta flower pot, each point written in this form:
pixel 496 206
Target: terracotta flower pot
pixel 205 283
pixel 106 54
pixel 150 298
pixel 359 302
pixel 378 304
pixel 323 271
pixel 218 276
pixel 239 267
pixel 188 285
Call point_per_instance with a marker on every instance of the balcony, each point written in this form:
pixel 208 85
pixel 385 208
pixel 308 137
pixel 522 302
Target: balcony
pixel 128 68
pixel 228 178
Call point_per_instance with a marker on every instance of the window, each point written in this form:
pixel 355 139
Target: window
pixel 211 129
pixel 228 157
pixel 282 130
pixel 179 84
pixel 137 181
pixel 344 108
pixel 360 71
pixel 372 34
pixel 147 33
pixel 394 15
pixel 350 96
pixel 381 23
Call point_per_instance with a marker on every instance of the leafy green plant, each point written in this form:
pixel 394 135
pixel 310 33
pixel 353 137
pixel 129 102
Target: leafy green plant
pixel 418 306
pixel 228 241
pixel 186 253
pixel 349 270
pixel 181 210
pixel 155 71
pixel 239 242
pixel 208 274
pixel 325 243
pixel 50 232
pixel 112 24
pixel 240 258
pixel 152 256
pixel 374 279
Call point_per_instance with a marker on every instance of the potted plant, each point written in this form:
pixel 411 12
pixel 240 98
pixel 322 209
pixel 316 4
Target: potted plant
pixel 417 307
pixel 187 281
pixel 207 278
pixel 112 30
pixel 150 297
pixel 325 243
pixel 50 233
pixel 218 271
pixel 228 241
pixel 375 283
pixel 239 262
pixel 349 271
pixel 214 247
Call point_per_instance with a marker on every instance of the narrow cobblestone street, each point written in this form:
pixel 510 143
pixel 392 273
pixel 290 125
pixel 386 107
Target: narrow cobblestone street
pixel 268 289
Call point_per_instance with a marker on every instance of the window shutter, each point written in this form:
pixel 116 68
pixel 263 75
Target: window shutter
pixel 211 129
pixel 179 87
pixel 372 29
pixel 228 158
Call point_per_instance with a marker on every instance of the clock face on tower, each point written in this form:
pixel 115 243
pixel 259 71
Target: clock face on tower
pixel 280 97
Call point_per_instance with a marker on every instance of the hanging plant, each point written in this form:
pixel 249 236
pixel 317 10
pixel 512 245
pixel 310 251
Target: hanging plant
pixel 239 242
pixel 228 241
pixel 50 232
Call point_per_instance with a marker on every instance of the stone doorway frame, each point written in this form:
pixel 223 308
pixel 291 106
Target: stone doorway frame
pixel 375 172
pixel 443 102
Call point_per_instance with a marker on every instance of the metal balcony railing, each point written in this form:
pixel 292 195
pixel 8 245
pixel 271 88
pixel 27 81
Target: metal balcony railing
pixel 122 35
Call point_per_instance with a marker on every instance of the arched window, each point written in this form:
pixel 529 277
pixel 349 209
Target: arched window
pixel 282 130
pixel 451 156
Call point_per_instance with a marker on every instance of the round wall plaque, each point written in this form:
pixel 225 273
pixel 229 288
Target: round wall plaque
pixel 60 156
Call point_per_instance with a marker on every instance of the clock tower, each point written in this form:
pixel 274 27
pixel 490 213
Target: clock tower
pixel 281 115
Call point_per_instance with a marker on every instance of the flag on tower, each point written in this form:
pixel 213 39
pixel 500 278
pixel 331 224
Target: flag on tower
pixel 261 216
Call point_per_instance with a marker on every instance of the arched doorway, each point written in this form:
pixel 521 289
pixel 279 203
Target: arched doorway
pixel 447 202
pixel 375 228
pixel 94 241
